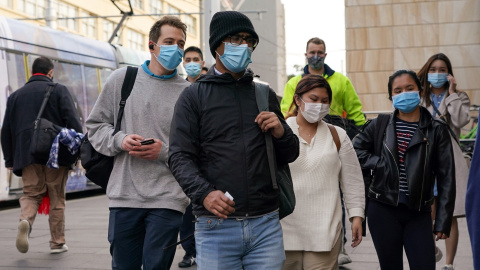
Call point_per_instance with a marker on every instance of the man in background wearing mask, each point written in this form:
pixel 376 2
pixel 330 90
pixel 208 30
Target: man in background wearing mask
pixel 146 203
pixel 218 155
pixel 344 100
pixel 193 63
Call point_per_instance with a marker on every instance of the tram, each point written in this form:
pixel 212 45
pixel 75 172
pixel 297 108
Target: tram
pixel 81 64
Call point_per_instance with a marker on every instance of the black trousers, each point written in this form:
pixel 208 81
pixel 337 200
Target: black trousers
pixel 187 229
pixel 394 228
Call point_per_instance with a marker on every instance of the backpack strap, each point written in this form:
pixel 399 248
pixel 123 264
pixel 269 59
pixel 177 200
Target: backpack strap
pixel 381 125
pixel 261 94
pixel 127 87
pixel 336 139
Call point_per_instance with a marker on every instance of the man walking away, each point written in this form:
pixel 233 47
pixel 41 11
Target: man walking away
pixel 23 106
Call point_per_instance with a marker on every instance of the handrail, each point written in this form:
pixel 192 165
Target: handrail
pixel 472 108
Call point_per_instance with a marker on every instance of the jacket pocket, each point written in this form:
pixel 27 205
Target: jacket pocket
pixel 429 202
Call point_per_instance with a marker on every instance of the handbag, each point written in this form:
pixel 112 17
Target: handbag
pixel 280 173
pixel 44 131
pixel 98 167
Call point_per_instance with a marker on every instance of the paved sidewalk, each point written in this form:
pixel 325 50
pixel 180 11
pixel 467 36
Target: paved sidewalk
pixel 86 234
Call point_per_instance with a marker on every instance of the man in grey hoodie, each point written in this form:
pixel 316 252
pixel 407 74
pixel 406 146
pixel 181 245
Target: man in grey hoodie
pixel 146 202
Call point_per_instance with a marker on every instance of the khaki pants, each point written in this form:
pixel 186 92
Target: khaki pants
pixel 308 260
pixel 37 180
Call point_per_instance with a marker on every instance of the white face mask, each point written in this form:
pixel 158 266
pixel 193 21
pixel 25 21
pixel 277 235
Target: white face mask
pixel 314 112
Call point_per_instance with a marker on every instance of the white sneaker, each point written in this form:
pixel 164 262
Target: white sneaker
pixel 438 255
pixel 448 267
pixel 343 258
pixel 22 236
pixel 64 248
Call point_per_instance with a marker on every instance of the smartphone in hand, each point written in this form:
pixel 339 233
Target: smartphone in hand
pixel 145 142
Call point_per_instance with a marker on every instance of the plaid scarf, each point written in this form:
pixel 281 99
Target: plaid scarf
pixel 68 137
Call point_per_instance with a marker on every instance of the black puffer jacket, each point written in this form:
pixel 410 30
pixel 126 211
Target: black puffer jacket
pixel 215 144
pixel 428 155
pixel 23 106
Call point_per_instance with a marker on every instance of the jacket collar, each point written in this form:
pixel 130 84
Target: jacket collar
pixel 419 136
pixel 426 117
pixel 327 72
pixel 41 78
pixel 212 76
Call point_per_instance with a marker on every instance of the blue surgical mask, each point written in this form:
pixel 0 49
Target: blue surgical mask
pixel 406 102
pixel 193 69
pixel 170 56
pixel 236 58
pixel 437 80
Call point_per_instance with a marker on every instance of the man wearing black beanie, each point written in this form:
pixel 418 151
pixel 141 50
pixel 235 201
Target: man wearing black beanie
pixel 218 155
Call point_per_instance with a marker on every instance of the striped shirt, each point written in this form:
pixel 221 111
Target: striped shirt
pixel 405 131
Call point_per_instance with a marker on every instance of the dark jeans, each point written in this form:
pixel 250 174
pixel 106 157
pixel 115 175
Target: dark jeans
pixel 137 237
pixel 394 228
pixel 187 229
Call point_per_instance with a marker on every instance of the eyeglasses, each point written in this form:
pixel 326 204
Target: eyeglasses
pixel 236 40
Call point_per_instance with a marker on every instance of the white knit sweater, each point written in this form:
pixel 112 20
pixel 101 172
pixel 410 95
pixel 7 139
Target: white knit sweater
pixel 316 223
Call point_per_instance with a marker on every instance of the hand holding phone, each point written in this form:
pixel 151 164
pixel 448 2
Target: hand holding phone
pixel 146 142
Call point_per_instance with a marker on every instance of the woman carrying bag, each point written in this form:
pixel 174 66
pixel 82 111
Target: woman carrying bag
pixel 444 101
pixel 313 232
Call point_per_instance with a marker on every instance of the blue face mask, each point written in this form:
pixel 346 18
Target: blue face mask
pixel 406 102
pixel 437 80
pixel 170 56
pixel 236 58
pixel 193 69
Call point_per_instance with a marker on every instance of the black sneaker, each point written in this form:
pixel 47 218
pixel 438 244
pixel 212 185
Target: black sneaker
pixel 187 262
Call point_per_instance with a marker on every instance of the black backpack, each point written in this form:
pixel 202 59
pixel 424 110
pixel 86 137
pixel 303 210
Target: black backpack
pixel 347 124
pixel 98 167
pixel 280 173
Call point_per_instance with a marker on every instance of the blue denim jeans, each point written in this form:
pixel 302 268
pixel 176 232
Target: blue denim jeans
pixel 234 244
pixel 137 237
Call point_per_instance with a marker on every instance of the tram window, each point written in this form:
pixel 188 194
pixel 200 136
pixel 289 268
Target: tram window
pixel 16 71
pixel 70 75
pixel 104 73
pixel 91 84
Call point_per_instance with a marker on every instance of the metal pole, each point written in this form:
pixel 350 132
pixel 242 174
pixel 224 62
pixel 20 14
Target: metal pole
pixel 51 17
pixel 210 8
pixel 114 34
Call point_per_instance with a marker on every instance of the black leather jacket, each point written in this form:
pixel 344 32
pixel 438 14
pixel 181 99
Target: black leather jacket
pixel 429 155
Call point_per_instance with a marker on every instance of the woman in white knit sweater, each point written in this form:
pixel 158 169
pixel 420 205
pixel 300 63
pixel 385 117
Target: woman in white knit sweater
pixel 313 232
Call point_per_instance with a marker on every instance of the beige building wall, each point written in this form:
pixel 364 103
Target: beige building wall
pixel 133 34
pixel 386 35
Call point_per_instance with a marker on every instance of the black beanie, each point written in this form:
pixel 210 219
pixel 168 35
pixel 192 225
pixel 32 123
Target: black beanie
pixel 225 23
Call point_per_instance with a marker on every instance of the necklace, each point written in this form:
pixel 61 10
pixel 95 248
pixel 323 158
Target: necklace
pixel 308 134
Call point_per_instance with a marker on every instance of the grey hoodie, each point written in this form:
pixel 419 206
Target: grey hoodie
pixel 135 182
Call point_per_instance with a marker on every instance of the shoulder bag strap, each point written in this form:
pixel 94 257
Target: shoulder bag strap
pixel 48 91
pixel 336 139
pixel 261 94
pixel 127 87
pixel 436 110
